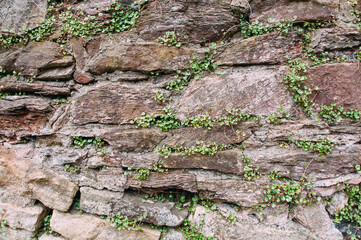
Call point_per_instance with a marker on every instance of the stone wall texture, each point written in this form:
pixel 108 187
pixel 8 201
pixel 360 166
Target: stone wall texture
pixel 92 89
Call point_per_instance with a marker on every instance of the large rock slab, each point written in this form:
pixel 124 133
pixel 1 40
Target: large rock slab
pixel 114 104
pixel 18 15
pixel 316 219
pixel 22 116
pixel 265 49
pixel 248 88
pixel 309 10
pixel 26 218
pixel 158 182
pixel 123 52
pixel 201 21
pixel 90 227
pixel 226 161
pixel 20 175
pixel 130 205
pixel 338 83
pixel 215 225
pixel 34 57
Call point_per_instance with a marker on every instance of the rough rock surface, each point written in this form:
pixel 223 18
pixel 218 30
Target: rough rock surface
pixel 91 227
pixel 70 145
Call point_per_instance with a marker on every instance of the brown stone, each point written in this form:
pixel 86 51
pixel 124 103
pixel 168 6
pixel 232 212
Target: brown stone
pixel 248 88
pixel 265 49
pixel 92 227
pixel 158 182
pixel 38 88
pixel 57 74
pixel 114 104
pixel 82 77
pixel 226 161
pixel 309 10
pixel 338 83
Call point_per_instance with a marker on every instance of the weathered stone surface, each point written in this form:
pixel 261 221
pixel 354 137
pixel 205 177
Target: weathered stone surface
pixel 249 88
pixel 130 205
pixel 338 83
pixel 38 88
pixel 201 21
pixel 50 237
pixel 226 161
pixel 215 225
pixel 114 104
pixel 18 15
pixel 57 74
pixel 66 61
pixel 119 76
pixel 304 10
pixel 218 134
pixel 35 56
pixel 118 52
pixel 21 176
pixel 91 227
pixel 265 49
pixel 163 181
pixel 14 234
pixel 22 116
pixel 106 178
pixel 338 201
pixel 328 39
pixel 316 219
pixel 28 218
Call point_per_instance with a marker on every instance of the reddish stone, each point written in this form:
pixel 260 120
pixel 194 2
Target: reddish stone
pixel 82 78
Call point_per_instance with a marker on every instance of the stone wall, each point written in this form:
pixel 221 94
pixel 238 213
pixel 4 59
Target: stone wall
pixel 192 140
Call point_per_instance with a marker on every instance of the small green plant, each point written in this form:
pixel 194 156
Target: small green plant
pixel 123 222
pixel 185 76
pixel 278 116
pixel 143 173
pixel 201 148
pixel 352 211
pixel 190 231
pixel 61 101
pixel 45 229
pixel 72 169
pixel 322 146
pixel 208 204
pixel 256 28
pixel 231 218
pixel 250 172
pixel 293 193
pixel 358 168
pixel 82 142
pixel 333 113
pixel 170 39
pixel 159 97
pixel 3 224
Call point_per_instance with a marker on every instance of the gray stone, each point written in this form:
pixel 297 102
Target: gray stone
pixel 316 219
pixel 18 15
pixel 26 218
pixel 249 88
pixel 57 74
pixel 338 201
pixel 130 205
pixel 91 227
pixel 14 234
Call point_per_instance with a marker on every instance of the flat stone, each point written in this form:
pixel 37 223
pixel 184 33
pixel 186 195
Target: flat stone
pixel 28 218
pixel 276 10
pixel 37 88
pixel 57 74
pixel 22 116
pixel 18 15
pixel 229 161
pixel 247 88
pixel 338 201
pixel 265 49
pixel 215 225
pixel 120 52
pixel 200 21
pixel 14 234
pixel 92 227
pixel 338 83
pixel 50 237
pixel 114 104
pixel 317 220
pixel 162 181
pixel 130 205
pixel 35 56
pixel 20 175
